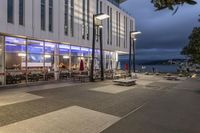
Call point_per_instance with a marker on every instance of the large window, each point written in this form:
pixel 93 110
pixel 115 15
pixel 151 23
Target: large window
pixel 21 12
pixel 97 60
pixel 97 6
pixel 88 20
pixel 15 60
pixel 72 17
pixel 51 57
pixel 119 30
pixel 64 57
pixel 15 50
pixel 75 54
pixel 124 31
pixel 80 55
pixel 108 58
pixel 84 57
pixel 83 18
pixel 66 23
pixel 111 26
pixel 35 50
pixel 101 6
pixel 10 11
pixel 51 15
pixel 43 14
pixel 108 26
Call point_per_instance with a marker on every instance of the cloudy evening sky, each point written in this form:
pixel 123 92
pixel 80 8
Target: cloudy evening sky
pixel 163 34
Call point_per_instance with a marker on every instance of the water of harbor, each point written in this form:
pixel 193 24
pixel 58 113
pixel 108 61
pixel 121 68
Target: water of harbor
pixel 166 68
pixel 157 68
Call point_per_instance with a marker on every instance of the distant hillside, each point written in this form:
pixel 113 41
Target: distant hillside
pixel 154 62
pixel 159 62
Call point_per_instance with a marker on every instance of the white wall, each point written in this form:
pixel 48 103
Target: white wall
pixel 32 23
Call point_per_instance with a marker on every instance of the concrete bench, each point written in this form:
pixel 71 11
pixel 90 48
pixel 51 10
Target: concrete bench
pixel 125 82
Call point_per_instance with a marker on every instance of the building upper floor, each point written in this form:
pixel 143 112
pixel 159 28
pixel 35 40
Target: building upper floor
pixel 68 21
pixel 117 2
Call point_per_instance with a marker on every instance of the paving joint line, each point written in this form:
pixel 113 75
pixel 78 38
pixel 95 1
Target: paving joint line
pixel 135 110
pixel 131 112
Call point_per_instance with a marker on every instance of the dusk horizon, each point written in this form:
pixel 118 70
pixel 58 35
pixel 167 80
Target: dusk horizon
pixel 163 34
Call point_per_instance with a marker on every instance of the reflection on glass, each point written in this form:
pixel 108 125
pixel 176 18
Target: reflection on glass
pixel 51 48
pixel 15 40
pixel 75 51
pixel 64 62
pixel 35 60
pixel 97 53
pixel 74 63
pixel 64 49
pixel 85 52
pixel 15 53
pixel 35 47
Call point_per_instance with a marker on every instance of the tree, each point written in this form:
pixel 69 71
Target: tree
pixel 193 48
pixel 170 4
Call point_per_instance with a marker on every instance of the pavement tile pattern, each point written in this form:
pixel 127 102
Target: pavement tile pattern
pixel 87 107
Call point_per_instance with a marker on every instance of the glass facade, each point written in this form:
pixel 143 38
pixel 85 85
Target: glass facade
pixel 29 60
pixel 15 60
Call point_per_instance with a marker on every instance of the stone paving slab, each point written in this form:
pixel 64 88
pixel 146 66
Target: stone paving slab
pixel 73 119
pixel 112 89
pixel 175 112
pixel 171 81
pixel 16 97
pixel 47 86
pixel 143 82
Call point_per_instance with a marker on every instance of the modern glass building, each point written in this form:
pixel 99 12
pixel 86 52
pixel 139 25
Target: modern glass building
pixel 42 39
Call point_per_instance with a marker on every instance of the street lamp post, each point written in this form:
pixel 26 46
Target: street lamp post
pixel 129 68
pixel 101 54
pixel 93 51
pixel 134 53
pixel 97 23
pixel 132 37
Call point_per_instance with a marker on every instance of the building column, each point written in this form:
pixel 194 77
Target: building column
pixel 56 63
pixel 2 61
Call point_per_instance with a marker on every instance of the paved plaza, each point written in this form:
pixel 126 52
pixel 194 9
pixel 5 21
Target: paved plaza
pixel 154 105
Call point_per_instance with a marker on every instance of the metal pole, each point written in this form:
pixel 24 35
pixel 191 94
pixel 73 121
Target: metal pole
pixel 134 68
pixel 101 55
pixel 129 68
pixel 93 51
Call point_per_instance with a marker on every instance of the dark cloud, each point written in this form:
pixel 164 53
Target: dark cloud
pixel 160 29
